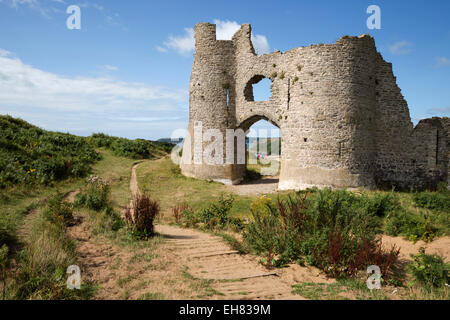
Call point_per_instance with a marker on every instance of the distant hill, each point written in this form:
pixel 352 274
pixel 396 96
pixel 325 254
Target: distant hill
pixel 169 140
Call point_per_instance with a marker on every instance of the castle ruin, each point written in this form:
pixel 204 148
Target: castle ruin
pixel 343 120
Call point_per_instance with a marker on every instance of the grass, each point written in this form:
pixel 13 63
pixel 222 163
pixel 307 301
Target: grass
pixel 202 287
pixel 45 243
pixel 162 179
pixel 339 290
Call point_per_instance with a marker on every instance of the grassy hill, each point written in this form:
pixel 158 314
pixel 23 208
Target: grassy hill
pixel 31 155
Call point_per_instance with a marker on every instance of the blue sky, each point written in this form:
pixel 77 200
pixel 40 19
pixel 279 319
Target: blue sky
pixel 126 72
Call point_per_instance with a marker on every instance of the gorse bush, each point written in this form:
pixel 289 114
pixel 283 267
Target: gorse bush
pixel 276 229
pixel 58 210
pixel 333 230
pixel 429 271
pixel 414 226
pixel 215 216
pixel 433 200
pixel 141 214
pixel 95 195
pixel 30 155
pixel 135 149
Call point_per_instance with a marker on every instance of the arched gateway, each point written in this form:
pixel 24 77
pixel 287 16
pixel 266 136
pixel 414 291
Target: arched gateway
pixel 343 119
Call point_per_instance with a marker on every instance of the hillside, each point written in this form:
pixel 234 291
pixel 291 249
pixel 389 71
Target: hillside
pixel 31 155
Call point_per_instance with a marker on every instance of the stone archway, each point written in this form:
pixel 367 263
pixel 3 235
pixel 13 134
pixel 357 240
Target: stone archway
pixel 265 143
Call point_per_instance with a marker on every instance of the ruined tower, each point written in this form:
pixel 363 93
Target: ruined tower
pixel 344 122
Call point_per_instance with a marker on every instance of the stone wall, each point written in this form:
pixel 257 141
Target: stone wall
pixel 343 120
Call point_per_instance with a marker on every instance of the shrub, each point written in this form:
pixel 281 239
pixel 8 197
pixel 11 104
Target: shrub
pixel 30 155
pixel 179 210
pixel 216 216
pixel 275 229
pixel 380 204
pixel 413 226
pixel 333 230
pixel 433 200
pixel 141 214
pixel 264 233
pixel 58 210
pixel 96 194
pixel 340 234
pixel 430 271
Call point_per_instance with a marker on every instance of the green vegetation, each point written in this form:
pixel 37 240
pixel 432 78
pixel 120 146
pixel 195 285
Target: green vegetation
pixel 30 155
pixel 332 230
pixel 42 264
pixel 215 217
pixel 135 149
pixel 429 271
pixel 424 216
pixel 436 201
pixel 343 289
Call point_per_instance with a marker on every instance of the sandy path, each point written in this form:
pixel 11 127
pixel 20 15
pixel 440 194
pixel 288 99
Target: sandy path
pixel 208 257
pixel 235 276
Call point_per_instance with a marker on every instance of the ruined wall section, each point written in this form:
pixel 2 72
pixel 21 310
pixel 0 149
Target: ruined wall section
pixel 323 104
pixel 407 157
pixel 430 152
pixel 211 101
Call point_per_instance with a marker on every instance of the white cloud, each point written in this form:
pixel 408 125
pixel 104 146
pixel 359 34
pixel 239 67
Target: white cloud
pixel 442 62
pixel 24 85
pixel 261 44
pixel 183 44
pixel 401 47
pixel 85 103
pixel 225 30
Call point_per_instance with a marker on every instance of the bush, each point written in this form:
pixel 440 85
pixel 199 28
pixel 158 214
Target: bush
pixel 413 226
pixel 276 229
pixel 135 149
pixel 96 194
pixel 216 216
pixel 433 200
pixel 333 230
pixel 430 271
pixel 380 204
pixel 141 214
pixel 30 155
pixel 58 210
pixel 179 210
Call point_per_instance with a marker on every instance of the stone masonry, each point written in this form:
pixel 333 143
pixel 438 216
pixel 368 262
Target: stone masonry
pixel 344 122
